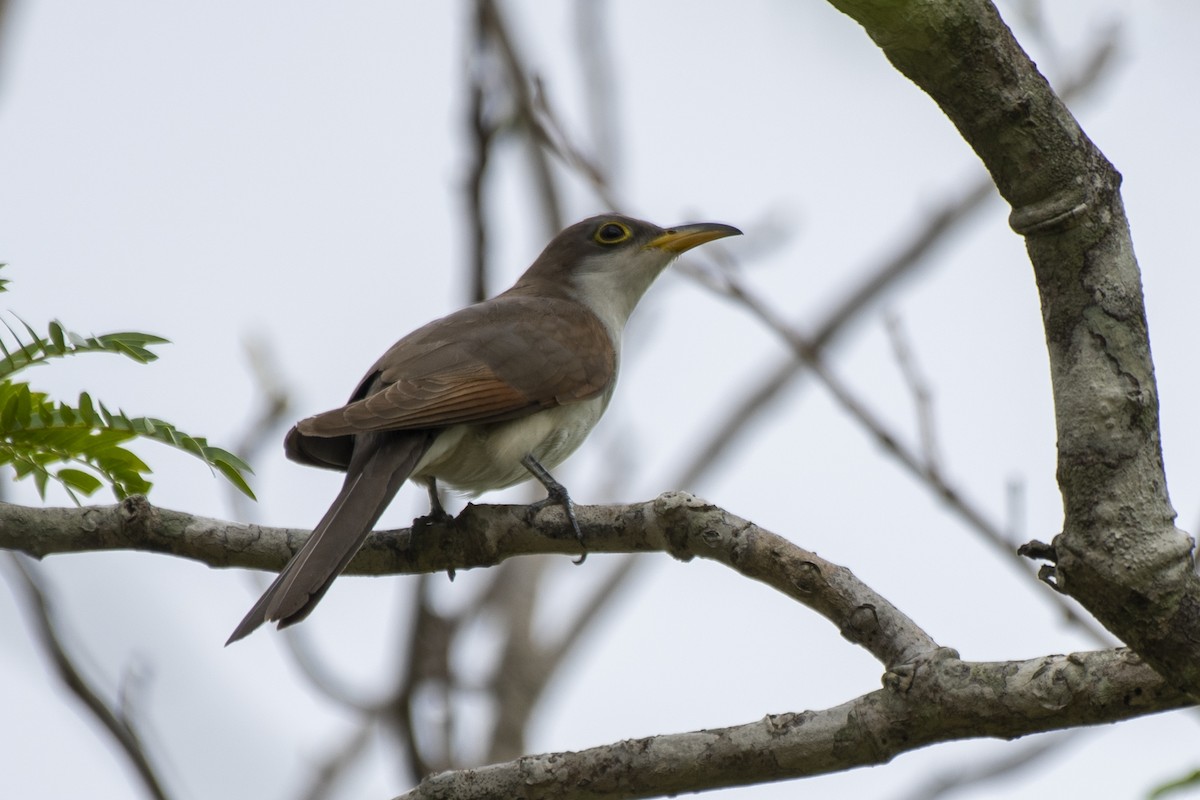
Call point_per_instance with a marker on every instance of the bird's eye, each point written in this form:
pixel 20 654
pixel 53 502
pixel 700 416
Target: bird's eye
pixel 612 233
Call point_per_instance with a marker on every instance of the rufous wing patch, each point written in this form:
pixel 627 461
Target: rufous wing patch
pixel 522 355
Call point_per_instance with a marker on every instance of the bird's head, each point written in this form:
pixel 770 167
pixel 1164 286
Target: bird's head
pixel 609 261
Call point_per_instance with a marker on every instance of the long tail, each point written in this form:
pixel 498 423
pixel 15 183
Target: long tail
pixel 380 465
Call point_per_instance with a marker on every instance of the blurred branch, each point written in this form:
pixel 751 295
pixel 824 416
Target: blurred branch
pixel 425 663
pixel 319 675
pixel 918 387
pixel 6 17
pixel 331 769
pixel 836 322
pixel 554 136
pixel 1013 759
pixel 599 78
pixel 495 29
pixel 807 351
pixel 939 699
pixel 727 283
pixel 609 588
pixel 38 606
pixel 481 129
pixel 519 677
pixel 273 403
pixel 273 398
pixel 907 258
pixel 502 89
pixel 501 99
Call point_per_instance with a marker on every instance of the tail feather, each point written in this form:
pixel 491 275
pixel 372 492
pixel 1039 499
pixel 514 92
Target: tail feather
pixel 380 465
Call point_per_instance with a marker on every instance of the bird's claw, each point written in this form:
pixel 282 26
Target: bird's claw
pixel 560 498
pixel 436 516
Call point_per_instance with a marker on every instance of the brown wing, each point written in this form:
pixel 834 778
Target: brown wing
pixel 497 360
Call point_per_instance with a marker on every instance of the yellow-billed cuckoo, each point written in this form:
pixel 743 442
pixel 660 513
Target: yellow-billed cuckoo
pixel 482 399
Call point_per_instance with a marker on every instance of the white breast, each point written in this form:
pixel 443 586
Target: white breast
pixel 479 458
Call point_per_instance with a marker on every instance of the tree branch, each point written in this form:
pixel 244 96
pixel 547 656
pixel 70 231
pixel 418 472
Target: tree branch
pixel 1119 552
pixel 938 699
pixel 675 523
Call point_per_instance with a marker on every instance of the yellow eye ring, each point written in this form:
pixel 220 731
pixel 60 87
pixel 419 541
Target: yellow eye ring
pixel 612 233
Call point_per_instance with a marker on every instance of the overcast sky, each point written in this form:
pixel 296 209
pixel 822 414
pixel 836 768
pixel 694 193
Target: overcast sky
pixel 292 174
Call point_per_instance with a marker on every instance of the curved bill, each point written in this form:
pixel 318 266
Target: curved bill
pixel 685 237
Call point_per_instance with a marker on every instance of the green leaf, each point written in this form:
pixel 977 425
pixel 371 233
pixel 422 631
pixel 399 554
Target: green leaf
pixel 11 404
pixel 61 342
pixel 24 412
pixel 234 476
pixel 57 337
pixel 85 482
pixel 82 447
pixel 86 411
pixel 58 433
pixel 131 344
pixel 1190 781
pixel 25 353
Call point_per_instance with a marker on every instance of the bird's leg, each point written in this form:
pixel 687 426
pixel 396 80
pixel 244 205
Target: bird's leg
pixel 556 493
pixel 436 512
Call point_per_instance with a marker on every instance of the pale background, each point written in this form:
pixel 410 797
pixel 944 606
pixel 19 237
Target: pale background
pixel 292 172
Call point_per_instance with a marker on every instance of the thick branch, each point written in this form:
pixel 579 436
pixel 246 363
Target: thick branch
pixel 1119 553
pixel 935 700
pixel 675 523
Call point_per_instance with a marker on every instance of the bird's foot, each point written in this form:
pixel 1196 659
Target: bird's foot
pixel 437 513
pixel 436 516
pixel 563 501
pixel 556 494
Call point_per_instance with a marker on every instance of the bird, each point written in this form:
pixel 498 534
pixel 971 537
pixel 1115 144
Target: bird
pixel 487 397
